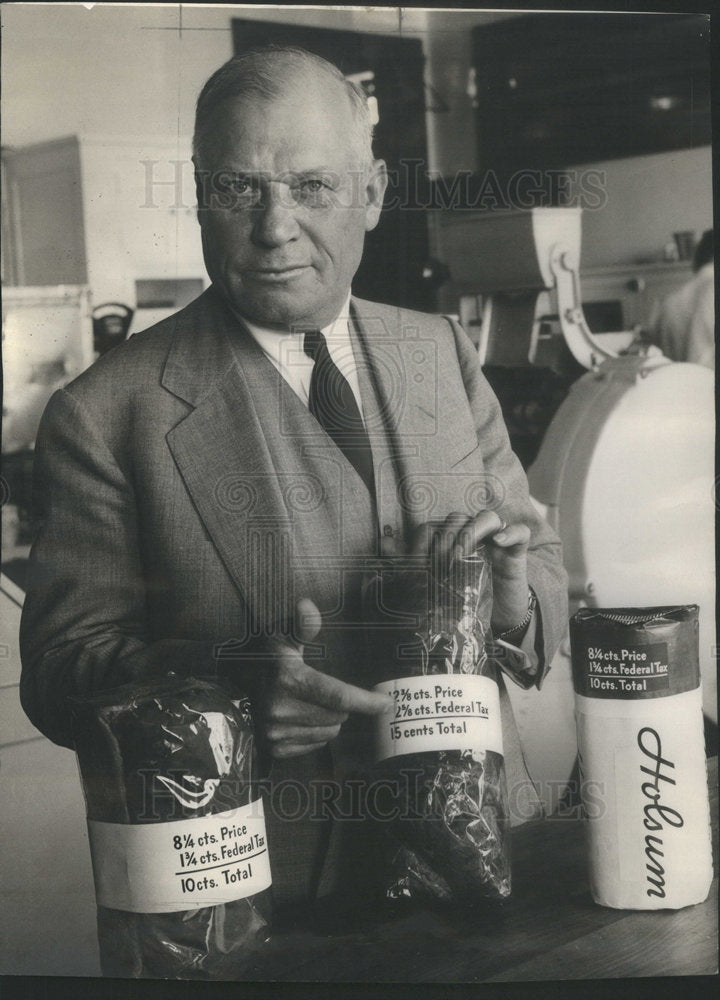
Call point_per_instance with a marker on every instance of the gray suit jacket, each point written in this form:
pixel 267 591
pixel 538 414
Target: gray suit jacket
pixel 187 498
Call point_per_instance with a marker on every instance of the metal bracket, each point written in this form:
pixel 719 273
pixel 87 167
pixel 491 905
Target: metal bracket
pixel 583 345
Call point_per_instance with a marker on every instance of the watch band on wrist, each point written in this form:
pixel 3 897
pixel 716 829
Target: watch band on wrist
pixel 532 604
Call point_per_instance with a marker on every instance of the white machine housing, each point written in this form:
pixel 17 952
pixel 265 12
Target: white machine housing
pixel 625 473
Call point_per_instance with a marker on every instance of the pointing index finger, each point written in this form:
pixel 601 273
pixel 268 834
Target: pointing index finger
pixel 339 696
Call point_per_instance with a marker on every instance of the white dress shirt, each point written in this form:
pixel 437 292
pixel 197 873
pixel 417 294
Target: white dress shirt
pixel 285 350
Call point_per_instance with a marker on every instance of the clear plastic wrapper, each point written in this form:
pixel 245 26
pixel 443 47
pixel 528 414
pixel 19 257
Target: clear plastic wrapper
pixel 451 838
pixel 171 761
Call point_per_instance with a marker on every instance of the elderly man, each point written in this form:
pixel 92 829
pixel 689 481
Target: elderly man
pixel 212 490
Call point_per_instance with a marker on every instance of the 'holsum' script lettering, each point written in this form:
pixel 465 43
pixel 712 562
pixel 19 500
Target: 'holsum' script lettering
pixel 656 813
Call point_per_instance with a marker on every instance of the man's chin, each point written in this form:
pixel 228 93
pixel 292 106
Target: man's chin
pixel 279 307
pixel 270 312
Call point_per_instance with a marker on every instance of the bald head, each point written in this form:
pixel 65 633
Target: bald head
pixel 268 74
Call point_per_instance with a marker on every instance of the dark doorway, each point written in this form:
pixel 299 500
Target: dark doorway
pixel 396 252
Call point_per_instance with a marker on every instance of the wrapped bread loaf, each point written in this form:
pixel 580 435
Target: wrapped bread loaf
pixel 176 830
pixel 442 750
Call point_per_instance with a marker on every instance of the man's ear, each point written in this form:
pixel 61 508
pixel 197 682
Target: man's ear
pixel 200 180
pixel 374 193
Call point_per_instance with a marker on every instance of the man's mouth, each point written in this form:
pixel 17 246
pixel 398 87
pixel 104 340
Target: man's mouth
pixel 276 274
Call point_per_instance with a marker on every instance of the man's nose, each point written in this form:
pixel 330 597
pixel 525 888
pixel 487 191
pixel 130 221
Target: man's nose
pixel 275 223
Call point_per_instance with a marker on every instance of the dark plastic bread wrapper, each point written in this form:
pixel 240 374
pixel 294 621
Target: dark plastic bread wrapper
pixel 451 840
pixel 151 754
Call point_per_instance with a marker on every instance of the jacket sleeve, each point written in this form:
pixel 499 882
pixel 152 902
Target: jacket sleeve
pixel 84 626
pixel 508 484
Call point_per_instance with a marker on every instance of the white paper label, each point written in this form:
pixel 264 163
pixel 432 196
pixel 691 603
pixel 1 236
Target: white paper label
pixel 180 865
pixel 439 712
pixel 649 820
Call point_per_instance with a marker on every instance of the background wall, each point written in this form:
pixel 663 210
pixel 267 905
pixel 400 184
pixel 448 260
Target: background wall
pixel 67 70
pixel 648 199
pixel 118 71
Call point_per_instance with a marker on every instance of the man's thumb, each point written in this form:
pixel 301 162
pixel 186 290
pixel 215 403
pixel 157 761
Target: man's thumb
pixel 308 620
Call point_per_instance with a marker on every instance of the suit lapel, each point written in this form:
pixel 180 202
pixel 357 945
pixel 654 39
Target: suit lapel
pixel 374 381
pixel 225 467
pixel 420 400
pixel 270 487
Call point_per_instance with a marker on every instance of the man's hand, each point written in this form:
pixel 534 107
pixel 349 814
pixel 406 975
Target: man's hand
pixel 507 547
pixel 303 709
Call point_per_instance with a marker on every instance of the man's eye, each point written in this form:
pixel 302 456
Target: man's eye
pixel 241 185
pixel 245 190
pixel 315 192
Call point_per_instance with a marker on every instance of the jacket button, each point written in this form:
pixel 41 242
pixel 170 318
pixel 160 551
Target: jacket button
pixel 388 530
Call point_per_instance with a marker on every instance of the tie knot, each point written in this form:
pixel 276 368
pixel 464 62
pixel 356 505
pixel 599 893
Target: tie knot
pixel 313 343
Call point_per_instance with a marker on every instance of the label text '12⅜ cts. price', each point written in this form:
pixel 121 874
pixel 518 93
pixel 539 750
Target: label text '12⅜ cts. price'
pixel 439 712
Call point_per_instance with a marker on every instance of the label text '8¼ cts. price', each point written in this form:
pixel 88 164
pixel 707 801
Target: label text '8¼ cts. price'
pixel 165 867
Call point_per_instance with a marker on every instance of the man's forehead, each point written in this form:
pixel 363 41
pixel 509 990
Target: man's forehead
pixel 297 130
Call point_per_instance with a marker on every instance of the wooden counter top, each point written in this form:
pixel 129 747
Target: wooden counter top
pixel 550 929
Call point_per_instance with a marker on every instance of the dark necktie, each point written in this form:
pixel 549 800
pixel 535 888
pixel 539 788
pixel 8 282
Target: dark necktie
pixel 333 404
